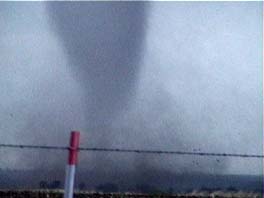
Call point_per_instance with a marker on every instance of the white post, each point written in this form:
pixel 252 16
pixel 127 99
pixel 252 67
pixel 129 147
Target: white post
pixel 72 161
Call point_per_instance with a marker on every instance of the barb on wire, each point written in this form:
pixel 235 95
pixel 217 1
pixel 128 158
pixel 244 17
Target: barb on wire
pixel 133 151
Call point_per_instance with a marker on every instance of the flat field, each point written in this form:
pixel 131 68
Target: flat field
pixel 86 194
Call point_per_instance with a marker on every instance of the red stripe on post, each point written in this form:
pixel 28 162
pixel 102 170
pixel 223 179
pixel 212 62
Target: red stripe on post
pixel 74 146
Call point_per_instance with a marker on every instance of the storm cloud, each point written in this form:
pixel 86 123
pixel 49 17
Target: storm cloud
pixel 152 75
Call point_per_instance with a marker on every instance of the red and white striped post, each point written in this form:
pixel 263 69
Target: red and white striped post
pixel 72 161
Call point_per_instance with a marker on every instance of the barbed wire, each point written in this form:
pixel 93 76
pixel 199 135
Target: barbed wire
pixel 23 146
pixel 212 154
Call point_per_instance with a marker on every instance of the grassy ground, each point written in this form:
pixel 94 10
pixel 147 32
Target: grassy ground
pixel 85 194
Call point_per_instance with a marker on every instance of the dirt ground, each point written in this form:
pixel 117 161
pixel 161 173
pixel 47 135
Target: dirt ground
pixel 85 194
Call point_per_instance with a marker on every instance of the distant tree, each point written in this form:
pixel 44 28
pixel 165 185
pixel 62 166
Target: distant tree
pixel 158 192
pixel 232 189
pixel 107 187
pixel 205 189
pixel 170 191
pixel 82 186
pixel 55 184
pixel 146 188
pixel 43 184
pixel 189 190
pixel 210 190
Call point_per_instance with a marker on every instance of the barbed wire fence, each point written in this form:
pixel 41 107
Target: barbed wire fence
pixel 139 151
pixel 74 148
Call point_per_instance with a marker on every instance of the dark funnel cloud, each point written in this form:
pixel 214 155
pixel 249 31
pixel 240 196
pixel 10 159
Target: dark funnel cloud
pixel 103 43
pixel 104 46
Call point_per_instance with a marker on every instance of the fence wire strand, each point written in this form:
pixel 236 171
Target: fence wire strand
pixel 158 152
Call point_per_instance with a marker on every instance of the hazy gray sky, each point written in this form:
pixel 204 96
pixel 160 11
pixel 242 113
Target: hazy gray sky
pixel 191 79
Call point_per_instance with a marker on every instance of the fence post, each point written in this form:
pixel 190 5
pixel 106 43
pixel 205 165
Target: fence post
pixel 72 161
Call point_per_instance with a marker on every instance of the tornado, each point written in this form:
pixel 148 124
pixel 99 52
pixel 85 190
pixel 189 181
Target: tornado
pixel 103 43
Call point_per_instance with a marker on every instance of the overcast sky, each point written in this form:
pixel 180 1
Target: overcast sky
pixel 191 78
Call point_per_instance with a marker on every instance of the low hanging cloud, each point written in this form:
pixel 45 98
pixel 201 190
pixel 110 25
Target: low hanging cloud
pixel 152 75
